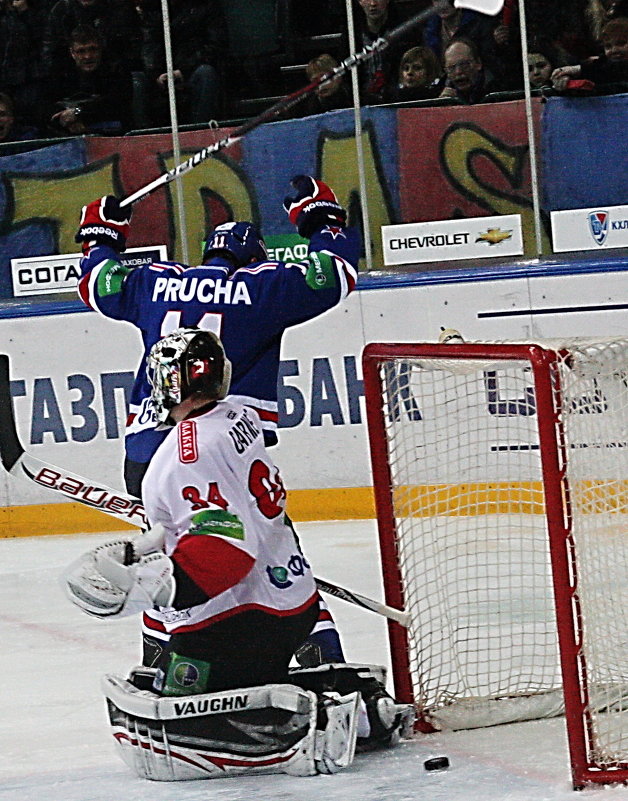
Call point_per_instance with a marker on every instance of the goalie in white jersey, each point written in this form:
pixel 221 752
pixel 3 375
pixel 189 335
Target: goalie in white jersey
pixel 237 596
pixel 244 596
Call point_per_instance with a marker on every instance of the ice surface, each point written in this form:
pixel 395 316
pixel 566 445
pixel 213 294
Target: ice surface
pixel 55 744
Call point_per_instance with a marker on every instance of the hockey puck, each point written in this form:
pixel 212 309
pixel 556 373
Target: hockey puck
pixel 436 763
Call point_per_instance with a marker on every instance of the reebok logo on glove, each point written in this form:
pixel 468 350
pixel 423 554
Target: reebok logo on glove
pixel 94 230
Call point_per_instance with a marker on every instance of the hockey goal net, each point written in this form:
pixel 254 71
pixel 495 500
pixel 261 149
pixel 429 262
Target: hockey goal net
pixel 501 485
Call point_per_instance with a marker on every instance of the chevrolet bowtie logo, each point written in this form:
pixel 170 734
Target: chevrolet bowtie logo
pixel 494 236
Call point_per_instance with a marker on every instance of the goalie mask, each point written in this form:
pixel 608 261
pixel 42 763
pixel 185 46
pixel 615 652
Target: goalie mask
pixel 186 362
pixel 240 242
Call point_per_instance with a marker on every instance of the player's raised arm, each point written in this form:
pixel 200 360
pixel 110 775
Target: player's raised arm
pixel 318 216
pixel 103 230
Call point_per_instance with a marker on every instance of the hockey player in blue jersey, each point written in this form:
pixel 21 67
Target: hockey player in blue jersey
pixel 238 293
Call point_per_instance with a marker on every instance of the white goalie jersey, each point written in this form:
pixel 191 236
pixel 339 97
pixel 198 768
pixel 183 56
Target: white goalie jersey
pixel 221 501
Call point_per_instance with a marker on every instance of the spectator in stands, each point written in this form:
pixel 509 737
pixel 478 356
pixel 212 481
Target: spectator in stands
pixel 199 44
pixel 116 21
pixel 599 12
pixel 94 94
pixel 542 61
pixel 462 23
pixel 467 78
pixel 420 75
pixel 596 14
pixel 378 75
pixel 21 36
pixel 331 96
pixel 578 37
pixel 609 68
pixel 10 129
pixel 563 24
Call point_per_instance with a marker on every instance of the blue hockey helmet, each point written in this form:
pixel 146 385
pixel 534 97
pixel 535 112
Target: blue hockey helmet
pixel 240 242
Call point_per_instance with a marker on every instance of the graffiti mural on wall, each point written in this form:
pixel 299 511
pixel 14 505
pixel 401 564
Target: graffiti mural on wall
pixel 467 164
pixel 420 164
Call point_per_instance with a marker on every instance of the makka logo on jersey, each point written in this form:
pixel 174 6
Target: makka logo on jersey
pixel 598 225
pixel 188 449
pixel 280 576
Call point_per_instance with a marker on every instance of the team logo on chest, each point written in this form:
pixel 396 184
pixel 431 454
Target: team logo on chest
pixel 188 449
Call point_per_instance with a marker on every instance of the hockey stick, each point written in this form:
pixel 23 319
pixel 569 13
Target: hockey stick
pixel 16 461
pixel 401 617
pixel 490 7
pixel 114 503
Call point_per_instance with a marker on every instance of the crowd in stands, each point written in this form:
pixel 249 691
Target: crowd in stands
pixel 71 67
pixel 467 56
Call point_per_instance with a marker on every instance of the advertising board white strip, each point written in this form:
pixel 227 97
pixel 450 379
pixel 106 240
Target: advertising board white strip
pixel 445 240
pixel 590 229
pixel 70 396
pixel 51 275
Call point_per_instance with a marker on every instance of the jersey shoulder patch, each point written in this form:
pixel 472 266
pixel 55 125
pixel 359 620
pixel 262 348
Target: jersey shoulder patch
pixel 187 442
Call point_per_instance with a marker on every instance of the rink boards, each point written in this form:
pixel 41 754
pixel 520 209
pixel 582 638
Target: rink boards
pixel 72 370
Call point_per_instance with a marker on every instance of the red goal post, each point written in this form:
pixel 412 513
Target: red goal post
pixel 500 476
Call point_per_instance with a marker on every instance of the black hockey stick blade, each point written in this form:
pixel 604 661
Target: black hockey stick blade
pixel 10 446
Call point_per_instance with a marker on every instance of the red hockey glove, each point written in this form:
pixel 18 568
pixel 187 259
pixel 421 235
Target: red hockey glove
pixel 313 206
pixel 105 223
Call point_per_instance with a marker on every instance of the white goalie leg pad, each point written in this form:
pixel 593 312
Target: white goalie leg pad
pixel 382 722
pixel 269 729
pixel 335 744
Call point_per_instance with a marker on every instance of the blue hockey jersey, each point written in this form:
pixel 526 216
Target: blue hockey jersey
pixel 249 310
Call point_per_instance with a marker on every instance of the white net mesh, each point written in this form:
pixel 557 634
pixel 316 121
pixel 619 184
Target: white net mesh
pixel 472 537
pixel 594 404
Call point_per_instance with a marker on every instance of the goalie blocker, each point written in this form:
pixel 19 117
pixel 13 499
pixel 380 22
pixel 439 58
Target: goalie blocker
pixel 316 723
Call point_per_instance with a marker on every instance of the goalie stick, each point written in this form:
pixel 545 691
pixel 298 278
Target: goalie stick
pixel 490 7
pixel 114 503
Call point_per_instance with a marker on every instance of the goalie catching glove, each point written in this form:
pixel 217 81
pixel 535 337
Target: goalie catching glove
pixel 103 584
pixel 104 222
pixel 314 206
